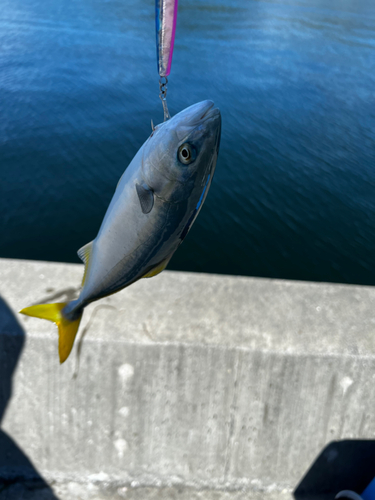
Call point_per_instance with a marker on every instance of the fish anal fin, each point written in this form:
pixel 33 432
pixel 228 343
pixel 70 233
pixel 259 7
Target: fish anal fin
pixel 84 254
pixel 67 329
pixel 158 269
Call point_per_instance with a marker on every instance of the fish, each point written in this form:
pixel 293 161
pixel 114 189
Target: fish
pixel 155 204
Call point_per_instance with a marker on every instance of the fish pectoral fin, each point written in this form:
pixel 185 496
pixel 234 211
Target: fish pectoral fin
pixel 158 269
pixel 67 329
pixel 84 254
pixel 146 197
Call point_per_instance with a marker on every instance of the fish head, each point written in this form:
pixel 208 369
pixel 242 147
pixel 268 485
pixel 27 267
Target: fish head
pixel 180 155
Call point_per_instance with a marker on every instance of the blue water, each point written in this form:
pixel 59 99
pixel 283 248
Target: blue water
pixel 294 190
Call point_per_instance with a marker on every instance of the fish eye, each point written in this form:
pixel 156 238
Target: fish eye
pixel 186 153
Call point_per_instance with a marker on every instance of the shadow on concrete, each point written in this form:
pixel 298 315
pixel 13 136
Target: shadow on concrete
pixel 342 465
pixel 16 470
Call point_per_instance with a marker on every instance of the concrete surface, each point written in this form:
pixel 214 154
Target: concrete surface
pixel 79 491
pixel 187 380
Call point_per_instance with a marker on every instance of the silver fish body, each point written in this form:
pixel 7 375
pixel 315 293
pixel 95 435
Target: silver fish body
pixel 154 205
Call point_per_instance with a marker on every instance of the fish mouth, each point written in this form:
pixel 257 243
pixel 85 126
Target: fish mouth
pixel 208 105
pixel 199 113
pixel 209 111
pixel 212 113
pixel 196 116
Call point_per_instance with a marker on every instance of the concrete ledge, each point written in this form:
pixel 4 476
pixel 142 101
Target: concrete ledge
pixel 79 491
pixel 187 379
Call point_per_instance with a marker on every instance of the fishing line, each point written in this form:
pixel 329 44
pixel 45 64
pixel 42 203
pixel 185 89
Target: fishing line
pixel 83 334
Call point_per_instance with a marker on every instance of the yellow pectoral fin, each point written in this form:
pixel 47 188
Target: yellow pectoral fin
pixel 67 329
pixel 158 269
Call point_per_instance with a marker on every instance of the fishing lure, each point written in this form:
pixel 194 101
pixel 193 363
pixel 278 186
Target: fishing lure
pixel 166 18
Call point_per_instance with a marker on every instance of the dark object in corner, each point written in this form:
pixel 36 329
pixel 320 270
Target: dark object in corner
pixel 342 465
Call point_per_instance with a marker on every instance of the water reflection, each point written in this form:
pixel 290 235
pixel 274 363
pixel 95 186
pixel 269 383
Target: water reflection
pixel 293 194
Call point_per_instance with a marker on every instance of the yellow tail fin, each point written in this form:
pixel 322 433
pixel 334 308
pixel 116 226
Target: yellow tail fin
pixel 67 329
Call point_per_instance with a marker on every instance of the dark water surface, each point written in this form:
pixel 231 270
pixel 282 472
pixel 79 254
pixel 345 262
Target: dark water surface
pixel 293 195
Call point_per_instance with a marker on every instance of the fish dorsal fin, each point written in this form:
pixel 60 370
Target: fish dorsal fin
pixel 120 180
pixel 84 254
pixel 159 268
pixel 146 197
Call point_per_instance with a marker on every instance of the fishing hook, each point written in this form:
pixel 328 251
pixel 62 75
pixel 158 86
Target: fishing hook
pixel 163 81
